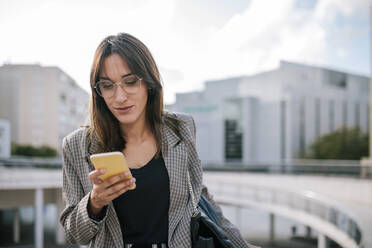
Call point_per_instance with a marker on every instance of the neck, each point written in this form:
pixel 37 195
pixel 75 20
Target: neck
pixel 136 133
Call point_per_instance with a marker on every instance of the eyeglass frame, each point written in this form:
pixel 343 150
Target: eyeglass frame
pixel 119 83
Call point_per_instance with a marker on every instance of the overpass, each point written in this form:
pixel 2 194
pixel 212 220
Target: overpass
pixel 336 207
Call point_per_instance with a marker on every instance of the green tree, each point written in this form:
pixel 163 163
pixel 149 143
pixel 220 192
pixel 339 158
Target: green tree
pixel 32 151
pixel 344 143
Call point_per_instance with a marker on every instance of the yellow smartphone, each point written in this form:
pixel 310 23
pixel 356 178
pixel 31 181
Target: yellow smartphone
pixel 113 162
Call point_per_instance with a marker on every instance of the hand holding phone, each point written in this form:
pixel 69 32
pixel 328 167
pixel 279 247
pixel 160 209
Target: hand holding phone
pixel 110 184
pixel 113 163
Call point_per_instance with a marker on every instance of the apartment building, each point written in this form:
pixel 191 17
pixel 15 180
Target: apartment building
pixel 42 103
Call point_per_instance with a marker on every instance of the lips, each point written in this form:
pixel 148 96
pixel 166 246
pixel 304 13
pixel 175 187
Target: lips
pixel 124 109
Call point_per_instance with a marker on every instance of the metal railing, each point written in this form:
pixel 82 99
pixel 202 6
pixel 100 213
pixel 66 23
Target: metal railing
pixel 307 202
pixel 348 168
pixel 30 162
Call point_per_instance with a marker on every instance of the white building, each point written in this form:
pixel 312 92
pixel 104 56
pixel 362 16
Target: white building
pixel 4 139
pixel 42 104
pixel 274 115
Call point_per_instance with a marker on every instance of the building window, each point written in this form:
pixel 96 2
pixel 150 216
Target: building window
pixel 233 141
pixel 232 112
pixel 342 82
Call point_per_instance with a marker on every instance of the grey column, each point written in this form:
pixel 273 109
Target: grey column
pixel 38 230
pixel 239 217
pixel 272 227
pixel 16 226
pixel 60 234
pixel 322 241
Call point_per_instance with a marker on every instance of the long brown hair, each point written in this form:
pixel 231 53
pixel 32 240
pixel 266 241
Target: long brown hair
pixel 140 61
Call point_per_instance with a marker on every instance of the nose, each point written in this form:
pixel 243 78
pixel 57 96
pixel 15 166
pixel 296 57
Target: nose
pixel 120 95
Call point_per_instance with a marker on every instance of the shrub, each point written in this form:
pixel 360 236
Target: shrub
pixel 344 143
pixel 32 151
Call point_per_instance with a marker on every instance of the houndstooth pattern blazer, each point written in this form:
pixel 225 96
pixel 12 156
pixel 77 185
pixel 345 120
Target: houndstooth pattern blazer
pixel 179 156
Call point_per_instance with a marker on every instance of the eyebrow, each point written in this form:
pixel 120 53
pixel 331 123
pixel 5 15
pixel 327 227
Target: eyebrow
pixel 123 76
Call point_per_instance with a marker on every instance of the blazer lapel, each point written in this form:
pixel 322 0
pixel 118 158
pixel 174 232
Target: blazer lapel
pixel 174 153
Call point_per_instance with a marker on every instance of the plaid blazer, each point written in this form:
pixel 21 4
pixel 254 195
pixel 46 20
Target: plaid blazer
pixel 179 156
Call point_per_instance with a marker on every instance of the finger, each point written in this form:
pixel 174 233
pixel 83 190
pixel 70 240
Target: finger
pixel 117 178
pixel 120 192
pixel 112 192
pixel 96 174
pixel 97 181
pixel 119 186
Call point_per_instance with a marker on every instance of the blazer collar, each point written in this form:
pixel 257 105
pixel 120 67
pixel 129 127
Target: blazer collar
pixel 89 144
pixel 93 145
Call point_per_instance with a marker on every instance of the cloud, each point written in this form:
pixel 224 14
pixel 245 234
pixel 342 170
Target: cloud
pixel 269 31
pixel 191 42
pixel 342 53
pixel 328 9
pixel 261 36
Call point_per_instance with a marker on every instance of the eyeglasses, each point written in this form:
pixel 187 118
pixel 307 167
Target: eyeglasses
pixel 130 84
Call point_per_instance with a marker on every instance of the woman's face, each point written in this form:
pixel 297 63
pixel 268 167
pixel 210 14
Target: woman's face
pixel 127 108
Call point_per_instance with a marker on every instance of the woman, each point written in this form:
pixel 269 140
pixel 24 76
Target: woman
pixel 159 148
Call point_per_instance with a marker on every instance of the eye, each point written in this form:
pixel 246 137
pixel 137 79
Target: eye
pixel 106 85
pixel 130 81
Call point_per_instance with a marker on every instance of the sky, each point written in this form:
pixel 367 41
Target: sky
pixel 192 41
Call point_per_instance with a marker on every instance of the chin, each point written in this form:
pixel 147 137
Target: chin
pixel 127 119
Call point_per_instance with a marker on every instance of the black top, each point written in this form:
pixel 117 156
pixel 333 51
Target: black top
pixel 143 212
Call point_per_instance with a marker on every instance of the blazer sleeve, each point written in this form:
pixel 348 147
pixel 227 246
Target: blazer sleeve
pixel 79 227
